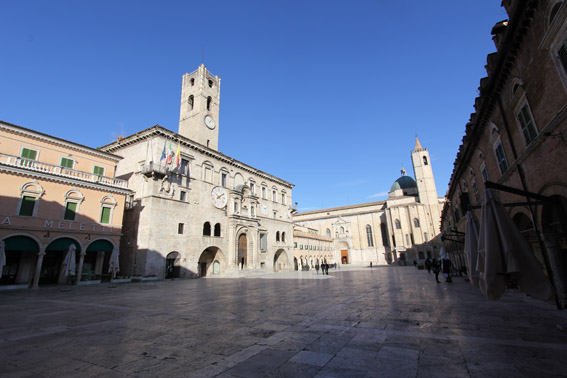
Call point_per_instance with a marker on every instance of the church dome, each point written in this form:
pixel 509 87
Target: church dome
pixel 404 182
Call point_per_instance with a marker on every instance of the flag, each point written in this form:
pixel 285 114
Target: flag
pixel 163 152
pixel 169 155
pixel 178 156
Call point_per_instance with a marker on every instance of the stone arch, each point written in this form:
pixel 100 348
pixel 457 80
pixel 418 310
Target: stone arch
pixel 242 249
pixel 52 265
pixel 173 265
pixel 211 262
pixel 281 261
pixel 96 260
pixel 344 251
pixel 21 251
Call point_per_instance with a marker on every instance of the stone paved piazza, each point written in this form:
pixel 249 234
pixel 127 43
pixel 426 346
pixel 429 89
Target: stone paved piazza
pixel 380 322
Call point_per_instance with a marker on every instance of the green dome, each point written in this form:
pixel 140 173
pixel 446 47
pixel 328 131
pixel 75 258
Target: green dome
pixel 404 182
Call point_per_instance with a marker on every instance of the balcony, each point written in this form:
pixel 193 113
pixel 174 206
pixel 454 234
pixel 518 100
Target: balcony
pixel 57 170
pixel 155 170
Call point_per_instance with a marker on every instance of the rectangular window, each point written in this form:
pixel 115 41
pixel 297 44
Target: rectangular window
pixel 252 188
pixel 28 154
pixel 182 195
pixel 105 215
pixel 295 245
pixel 501 158
pixel 426 237
pixel 527 124
pixel 274 196
pixel 183 168
pixel 67 163
pixel 208 174
pixel 223 180
pixel 180 228
pixel 484 173
pixel 562 55
pixel 283 198
pixel 263 241
pixel 263 192
pixel 252 211
pixel 301 246
pixel 236 207
pixel 28 204
pixel 98 170
pixel 70 210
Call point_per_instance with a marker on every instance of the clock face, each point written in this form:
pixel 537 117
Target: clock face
pixel 210 122
pixel 219 196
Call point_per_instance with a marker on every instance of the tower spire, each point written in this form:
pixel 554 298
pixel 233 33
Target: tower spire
pixel 417 144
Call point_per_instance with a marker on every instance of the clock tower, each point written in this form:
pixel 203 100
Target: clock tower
pixel 199 112
pixel 426 183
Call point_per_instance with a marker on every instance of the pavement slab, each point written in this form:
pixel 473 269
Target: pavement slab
pixel 355 322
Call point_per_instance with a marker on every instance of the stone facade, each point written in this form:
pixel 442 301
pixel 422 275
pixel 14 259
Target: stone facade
pixel 517 136
pixel 401 228
pixel 198 212
pixel 311 249
pixel 56 194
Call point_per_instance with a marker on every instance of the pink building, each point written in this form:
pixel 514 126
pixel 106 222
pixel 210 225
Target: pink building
pixel 56 196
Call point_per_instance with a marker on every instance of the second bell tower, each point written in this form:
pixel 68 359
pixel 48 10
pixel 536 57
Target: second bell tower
pixel 199 112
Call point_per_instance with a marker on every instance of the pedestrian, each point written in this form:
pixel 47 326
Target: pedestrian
pixel 415 264
pixel 326 269
pixel 317 268
pixel 428 265
pixel 435 267
pixel 447 269
pixel 370 264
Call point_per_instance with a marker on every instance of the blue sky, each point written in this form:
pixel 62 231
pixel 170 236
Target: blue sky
pixel 328 95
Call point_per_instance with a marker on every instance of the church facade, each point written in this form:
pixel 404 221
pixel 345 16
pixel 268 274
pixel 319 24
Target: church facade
pixel 402 228
pixel 197 212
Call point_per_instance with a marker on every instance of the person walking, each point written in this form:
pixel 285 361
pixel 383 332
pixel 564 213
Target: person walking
pixel 447 270
pixel 435 267
pixel 317 268
pixel 428 265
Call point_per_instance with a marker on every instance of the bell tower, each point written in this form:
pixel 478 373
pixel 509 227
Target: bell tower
pixel 199 112
pixel 426 188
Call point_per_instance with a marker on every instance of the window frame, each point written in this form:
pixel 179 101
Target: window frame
pixel 101 167
pixel 22 148
pixel 369 236
pixel 496 147
pixel 107 202
pixel 73 196
pixel 31 189
pixel 68 159
pixel 529 130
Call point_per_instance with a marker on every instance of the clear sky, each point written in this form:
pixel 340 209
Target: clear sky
pixel 328 95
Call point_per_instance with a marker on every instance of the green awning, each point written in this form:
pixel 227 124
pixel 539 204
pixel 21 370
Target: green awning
pixel 100 245
pixel 62 244
pixel 21 243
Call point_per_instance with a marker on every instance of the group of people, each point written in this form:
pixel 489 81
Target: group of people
pixel 439 265
pixel 324 268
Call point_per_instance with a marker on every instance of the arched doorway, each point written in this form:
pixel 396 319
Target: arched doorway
pixel 21 257
pixel 242 251
pixel 295 264
pixel 172 265
pixel 343 248
pixel 280 261
pixel 52 265
pixel 554 224
pixel 211 262
pixel 96 261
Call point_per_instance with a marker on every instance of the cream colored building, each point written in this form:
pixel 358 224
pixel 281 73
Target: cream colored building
pixel 404 227
pixel 56 194
pixel 311 249
pixel 196 211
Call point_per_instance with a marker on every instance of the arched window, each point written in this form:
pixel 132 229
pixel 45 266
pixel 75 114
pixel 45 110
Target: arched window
pixel 277 236
pixel 328 233
pixel 207 229
pixel 29 194
pixel 398 224
pixel 210 83
pixel 342 230
pixel 192 82
pixel 191 102
pixel 416 222
pixel 554 11
pixel 108 203
pixel 73 199
pixel 217 229
pixel 369 237
pixel 209 101
pixel 283 236
pixel 425 160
